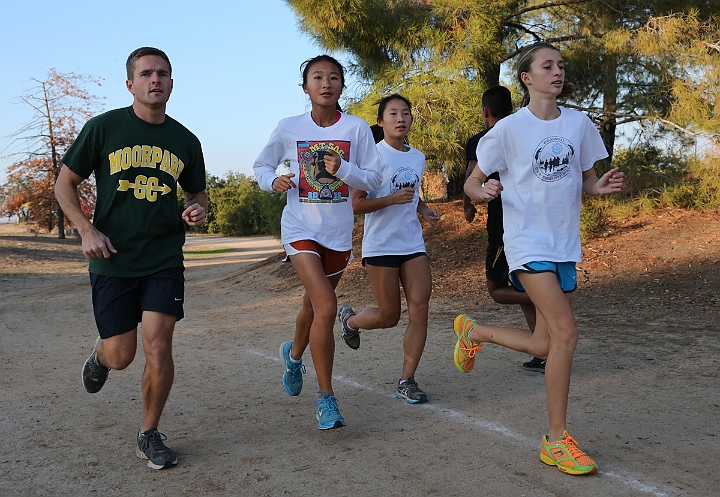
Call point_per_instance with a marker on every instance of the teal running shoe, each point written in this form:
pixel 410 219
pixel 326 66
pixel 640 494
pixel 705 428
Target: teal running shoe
pixel 328 416
pixel 292 377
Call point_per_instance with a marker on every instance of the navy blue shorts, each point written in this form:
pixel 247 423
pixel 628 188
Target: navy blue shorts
pixel 118 303
pixel 391 260
pixel 565 271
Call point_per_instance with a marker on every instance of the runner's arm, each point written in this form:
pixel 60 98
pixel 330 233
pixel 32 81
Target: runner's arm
pixel 364 205
pixel 196 210
pixel 95 245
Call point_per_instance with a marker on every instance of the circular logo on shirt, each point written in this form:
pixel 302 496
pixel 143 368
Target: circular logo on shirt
pixel 552 158
pixel 404 178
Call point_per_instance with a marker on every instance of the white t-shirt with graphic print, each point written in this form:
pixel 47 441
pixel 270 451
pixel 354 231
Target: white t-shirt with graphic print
pixel 395 229
pixel 541 164
pixel 319 208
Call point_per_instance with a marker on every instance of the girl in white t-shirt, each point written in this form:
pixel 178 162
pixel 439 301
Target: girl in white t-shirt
pixel 393 248
pixel 329 153
pixel 545 155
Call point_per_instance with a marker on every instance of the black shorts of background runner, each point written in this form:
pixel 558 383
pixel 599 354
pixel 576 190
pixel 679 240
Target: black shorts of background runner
pixel 391 260
pixel 496 266
pixel 118 303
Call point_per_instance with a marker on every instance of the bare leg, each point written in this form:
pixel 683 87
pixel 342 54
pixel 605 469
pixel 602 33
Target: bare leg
pixel 303 323
pixel 506 294
pixel 159 372
pixel 117 352
pixel 555 338
pixel 385 284
pixel 417 283
pixel 320 313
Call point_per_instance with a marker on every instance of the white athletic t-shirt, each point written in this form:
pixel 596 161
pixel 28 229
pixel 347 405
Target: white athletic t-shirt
pixel 319 208
pixel 540 165
pixel 395 229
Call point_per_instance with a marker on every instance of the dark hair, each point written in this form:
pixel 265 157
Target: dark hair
pixel 382 103
pixel 377 132
pixel 142 52
pixel 498 100
pixel 305 67
pixel 525 60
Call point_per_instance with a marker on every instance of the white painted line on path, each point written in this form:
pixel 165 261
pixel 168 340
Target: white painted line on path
pixel 629 481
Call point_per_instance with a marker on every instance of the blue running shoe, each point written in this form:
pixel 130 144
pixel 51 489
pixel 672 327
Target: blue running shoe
pixel 292 378
pixel 328 416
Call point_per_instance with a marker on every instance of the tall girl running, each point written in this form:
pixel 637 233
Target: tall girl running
pixel 545 155
pixel 393 248
pixel 329 153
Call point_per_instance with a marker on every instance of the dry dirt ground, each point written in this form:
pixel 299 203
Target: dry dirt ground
pixel 644 402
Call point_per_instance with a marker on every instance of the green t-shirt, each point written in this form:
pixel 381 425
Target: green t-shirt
pixel 137 167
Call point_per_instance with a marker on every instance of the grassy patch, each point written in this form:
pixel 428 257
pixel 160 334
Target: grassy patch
pixel 205 252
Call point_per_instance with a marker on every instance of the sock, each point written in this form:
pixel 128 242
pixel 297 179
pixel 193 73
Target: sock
pixel 348 327
pixel 97 361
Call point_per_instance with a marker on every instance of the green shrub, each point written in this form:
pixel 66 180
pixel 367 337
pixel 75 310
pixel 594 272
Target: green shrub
pixel 698 187
pixel 699 190
pixel 238 207
pixel 648 168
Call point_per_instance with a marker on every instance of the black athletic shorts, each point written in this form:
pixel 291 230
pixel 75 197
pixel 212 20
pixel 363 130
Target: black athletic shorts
pixel 496 266
pixel 391 260
pixel 118 303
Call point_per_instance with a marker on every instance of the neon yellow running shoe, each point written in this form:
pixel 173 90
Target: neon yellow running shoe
pixel 565 454
pixel 465 348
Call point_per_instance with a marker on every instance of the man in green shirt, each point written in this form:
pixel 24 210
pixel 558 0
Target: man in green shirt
pixel 134 244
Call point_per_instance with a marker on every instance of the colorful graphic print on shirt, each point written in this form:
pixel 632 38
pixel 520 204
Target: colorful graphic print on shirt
pixel 552 158
pixel 315 183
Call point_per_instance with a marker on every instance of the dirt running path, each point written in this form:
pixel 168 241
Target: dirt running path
pixel 645 397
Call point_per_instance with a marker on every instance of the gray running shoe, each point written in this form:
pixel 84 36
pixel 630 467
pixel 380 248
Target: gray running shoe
pixel 150 446
pixel 410 391
pixel 94 374
pixel 536 365
pixel 349 335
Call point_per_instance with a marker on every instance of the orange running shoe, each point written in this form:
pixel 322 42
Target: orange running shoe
pixel 465 348
pixel 565 454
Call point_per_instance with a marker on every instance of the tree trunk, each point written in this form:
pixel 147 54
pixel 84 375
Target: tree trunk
pixel 455 184
pixel 60 222
pixel 491 75
pixel 608 123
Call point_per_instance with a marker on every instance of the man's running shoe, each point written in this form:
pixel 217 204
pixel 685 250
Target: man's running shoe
pixel 565 454
pixel 292 377
pixel 150 446
pixel 536 365
pixel 410 391
pixel 350 336
pixel 94 374
pixel 465 349
pixel 328 416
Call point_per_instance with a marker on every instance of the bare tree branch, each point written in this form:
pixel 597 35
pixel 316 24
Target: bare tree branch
pixel 628 117
pixel 543 6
